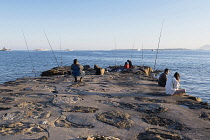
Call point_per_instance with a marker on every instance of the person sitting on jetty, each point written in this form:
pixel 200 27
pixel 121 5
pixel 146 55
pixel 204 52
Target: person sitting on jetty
pixel 163 78
pixel 172 85
pixel 76 69
pixel 126 66
pixel 130 63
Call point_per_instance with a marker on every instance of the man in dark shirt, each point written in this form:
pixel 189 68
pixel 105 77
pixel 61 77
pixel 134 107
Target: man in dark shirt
pixel 76 69
pixel 163 78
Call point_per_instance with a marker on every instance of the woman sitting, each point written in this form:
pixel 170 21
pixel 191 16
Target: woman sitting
pixel 172 85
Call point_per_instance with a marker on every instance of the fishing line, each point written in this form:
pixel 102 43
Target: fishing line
pixel 33 70
pixel 142 56
pixel 158 44
pixel 51 47
pixel 115 50
pixel 61 52
pixel 132 50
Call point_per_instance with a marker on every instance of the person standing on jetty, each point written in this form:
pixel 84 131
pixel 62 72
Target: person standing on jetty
pixel 172 85
pixel 76 69
pixel 163 78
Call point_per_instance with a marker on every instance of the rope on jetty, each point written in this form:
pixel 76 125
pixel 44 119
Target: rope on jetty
pixel 33 70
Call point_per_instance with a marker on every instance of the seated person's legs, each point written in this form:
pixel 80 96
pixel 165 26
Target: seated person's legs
pixel 179 92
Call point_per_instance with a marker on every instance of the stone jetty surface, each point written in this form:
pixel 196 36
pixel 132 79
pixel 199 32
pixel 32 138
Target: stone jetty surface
pixel 113 106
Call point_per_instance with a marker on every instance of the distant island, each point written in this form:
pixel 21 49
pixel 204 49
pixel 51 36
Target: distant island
pixel 205 47
pixel 150 49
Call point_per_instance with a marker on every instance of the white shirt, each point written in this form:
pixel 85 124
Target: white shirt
pixel 171 85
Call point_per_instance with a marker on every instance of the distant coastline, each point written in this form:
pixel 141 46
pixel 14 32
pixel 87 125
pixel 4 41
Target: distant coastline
pixel 150 49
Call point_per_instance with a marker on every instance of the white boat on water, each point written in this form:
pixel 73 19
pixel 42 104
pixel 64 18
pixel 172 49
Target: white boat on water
pixel 4 49
pixel 40 49
pixel 69 50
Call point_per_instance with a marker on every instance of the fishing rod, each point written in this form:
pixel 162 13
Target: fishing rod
pixel 132 50
pixel 142 56
pixel 115 50
pixel 51 47
pixel 33 70
pixel 61 52
pixel 158 44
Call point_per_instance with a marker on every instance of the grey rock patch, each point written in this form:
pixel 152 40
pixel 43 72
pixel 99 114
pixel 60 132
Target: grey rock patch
pixel 20 128
pixel 82 109
pixel 115 118
pixel 142 99
pixel 59 100
pixel 6 99
pixel 164 122
pixel 159 134
pixel 146 108
pixel 63 122
pixel 81 119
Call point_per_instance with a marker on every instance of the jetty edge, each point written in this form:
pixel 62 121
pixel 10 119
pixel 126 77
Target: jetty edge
pixel 117 105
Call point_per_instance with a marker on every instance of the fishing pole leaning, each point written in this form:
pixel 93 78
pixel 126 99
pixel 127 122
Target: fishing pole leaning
pixel 115 45
pixel 158 44
pixel 33 70
pixel 51 47
pixel 142 56
pixel 132 50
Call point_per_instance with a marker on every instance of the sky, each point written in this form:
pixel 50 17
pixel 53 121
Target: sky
pixel 104 24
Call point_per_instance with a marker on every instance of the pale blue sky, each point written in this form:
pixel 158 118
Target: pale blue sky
pixel 95 24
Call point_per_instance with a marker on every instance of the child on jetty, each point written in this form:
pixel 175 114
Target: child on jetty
pixel 76 69
pixel 172 85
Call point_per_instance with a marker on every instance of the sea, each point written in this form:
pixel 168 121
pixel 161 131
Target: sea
pixel 193 65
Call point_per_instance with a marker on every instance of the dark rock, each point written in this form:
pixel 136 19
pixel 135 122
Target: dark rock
pixel 146 108
pixel 205 115
pixel 63 122
pixel 50 72
pixel 101 138
pixel 195 98
pixel 6 99
pixel 159 134
pixel 115 118
pixel 5 90
pixel 204 103
pixel 81 109
pixel 170 124
pixel 4 108
pixel 193 104
pixel 86 67
pixel 57 71
pixel 149 100
pixel 20 128
pixel 99 71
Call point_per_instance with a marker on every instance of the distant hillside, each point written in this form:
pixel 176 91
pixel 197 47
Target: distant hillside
pixel 205 47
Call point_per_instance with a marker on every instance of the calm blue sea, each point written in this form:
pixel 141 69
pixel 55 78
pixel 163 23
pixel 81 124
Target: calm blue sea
pixel 193 65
